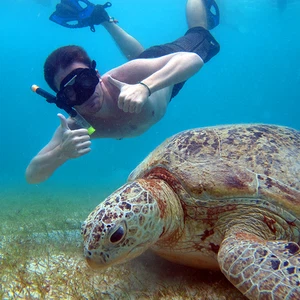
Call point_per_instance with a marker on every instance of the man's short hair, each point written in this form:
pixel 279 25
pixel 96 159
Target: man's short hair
pixel 61 58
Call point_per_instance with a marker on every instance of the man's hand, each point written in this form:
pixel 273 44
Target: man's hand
pixel 99 15
pixel 75 143
pixel 132 97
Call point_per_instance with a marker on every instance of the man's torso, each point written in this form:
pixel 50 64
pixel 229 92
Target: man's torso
pixel 119 124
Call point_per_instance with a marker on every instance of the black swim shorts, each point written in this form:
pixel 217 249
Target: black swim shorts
pixel 196 39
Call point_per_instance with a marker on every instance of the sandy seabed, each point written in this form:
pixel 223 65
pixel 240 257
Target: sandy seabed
pixel 41 257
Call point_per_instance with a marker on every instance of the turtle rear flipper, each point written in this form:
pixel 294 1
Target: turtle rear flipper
pixel 260 268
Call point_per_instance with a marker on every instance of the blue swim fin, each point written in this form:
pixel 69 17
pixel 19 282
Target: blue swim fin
pixel 73 14
pixel 213 13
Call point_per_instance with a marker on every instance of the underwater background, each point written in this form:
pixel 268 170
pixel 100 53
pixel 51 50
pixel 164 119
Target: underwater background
pixel 254 78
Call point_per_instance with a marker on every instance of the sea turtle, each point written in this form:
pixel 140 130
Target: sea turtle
pixel 218 197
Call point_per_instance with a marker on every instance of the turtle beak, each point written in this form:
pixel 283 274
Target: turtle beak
pixel 98 263
pixel 94 265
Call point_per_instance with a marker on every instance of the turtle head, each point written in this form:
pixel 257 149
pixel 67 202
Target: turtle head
pixel 126 223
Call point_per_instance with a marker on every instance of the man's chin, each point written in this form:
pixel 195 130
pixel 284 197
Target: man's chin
pixel 90 109
pixel 94 109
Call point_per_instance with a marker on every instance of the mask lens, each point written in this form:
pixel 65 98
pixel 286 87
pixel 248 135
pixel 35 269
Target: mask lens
pixel 87 79
pixel 85 85
pixel 69 92
pixel 78 86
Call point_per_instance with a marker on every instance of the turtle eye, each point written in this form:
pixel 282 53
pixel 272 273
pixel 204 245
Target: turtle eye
pixel 117 235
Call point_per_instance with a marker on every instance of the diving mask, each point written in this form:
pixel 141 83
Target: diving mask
pixel 78 86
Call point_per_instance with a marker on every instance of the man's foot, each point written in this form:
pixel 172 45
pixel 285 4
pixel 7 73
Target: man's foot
pixel 213 13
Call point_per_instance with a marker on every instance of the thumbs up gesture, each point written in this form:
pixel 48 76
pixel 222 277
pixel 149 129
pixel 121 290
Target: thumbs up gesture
pixel 132 97
pixel 74 143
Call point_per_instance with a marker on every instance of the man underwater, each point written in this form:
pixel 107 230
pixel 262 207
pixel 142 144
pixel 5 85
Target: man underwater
pixel 125 101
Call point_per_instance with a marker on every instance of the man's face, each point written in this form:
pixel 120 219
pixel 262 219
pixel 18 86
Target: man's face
pixel 86 101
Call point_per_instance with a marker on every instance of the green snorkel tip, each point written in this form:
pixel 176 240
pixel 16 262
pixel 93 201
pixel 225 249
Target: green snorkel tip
pixel 91 130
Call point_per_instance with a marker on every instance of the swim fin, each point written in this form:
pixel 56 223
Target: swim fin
pixel 73 14
pixel 213 13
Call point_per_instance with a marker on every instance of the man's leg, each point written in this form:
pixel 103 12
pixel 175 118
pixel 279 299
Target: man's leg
pixel 196 13
pixel 130 47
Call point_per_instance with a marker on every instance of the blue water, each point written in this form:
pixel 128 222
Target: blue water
pixel 255 78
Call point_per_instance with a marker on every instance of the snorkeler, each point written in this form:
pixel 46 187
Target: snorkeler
pixel 125 101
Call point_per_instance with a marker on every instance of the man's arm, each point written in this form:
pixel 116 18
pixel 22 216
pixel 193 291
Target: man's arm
pixel 71 16
pixel 64 145
pixel 171 69
pixel 129 46
pixel 156 74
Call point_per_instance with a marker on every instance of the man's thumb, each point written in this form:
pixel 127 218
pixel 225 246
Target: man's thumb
pixel 63 122
pixel 116 82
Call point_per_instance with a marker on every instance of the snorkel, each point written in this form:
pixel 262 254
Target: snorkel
pixel 79 119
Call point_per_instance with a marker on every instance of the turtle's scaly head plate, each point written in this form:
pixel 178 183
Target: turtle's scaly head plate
pixel 123 226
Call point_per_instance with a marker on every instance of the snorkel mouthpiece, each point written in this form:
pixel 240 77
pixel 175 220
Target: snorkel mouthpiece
pixel 79 119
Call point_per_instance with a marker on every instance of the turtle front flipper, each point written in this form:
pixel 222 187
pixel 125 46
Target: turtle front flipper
pixel 261 269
